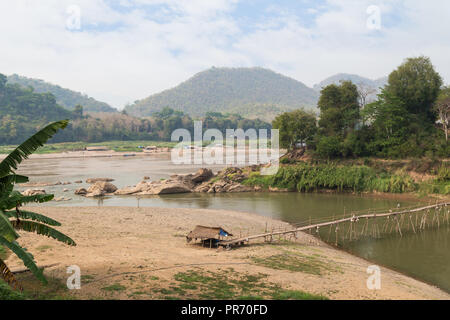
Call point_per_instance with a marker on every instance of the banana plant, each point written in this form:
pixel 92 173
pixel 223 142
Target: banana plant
pixel 13 218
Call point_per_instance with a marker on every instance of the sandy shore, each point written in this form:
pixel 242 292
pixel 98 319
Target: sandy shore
pixel 140 251
pixel 90 154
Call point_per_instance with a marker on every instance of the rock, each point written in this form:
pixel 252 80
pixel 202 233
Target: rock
pixel 239 188
pixel 146 178
pixel 78 182
pixel 141 187
pixel 81 192
pixel 101 188
pixel 95 193
pixel 33 192
pixel 202 175
pixel 167 187
pixel 60 199
pixel 66 190
pixel 95 180
pixel 203 188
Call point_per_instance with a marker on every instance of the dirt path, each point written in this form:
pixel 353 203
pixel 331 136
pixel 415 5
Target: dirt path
pixel 129 253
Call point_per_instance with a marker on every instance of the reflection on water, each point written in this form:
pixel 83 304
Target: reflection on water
pixel 426 255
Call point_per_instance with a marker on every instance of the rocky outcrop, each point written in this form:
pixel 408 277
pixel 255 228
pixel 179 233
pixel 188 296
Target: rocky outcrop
pixel 100 189
pixel 157 187
pixel 33 192
pixel 95 180
pixel 202 175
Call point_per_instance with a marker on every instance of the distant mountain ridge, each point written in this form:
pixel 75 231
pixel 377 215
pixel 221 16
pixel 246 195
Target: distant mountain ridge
pixel 356 79
pixel 251 92
pixel 64 97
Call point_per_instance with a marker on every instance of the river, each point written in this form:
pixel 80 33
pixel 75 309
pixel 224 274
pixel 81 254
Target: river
pixel 425 256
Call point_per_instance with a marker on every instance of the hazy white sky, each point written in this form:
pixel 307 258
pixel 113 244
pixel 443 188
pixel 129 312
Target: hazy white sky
pixel 125 50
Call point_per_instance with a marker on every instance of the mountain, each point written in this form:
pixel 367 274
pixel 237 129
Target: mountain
pixel 251 92
pixel 64 97
pixel 376 84
pixel 22 111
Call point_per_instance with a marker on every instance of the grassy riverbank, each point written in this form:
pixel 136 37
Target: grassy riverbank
pixel 118 146
pixel 307 177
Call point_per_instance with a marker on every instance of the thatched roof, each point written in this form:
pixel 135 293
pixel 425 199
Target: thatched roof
pixel 201 232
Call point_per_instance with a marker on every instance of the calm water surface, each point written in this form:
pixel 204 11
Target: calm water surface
pixel 425 256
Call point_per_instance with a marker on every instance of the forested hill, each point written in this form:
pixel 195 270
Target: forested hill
pixel 64 97
pixel 22 111
pixel 250 92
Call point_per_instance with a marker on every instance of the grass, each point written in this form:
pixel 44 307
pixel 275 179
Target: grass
pixel 114 287
pixel 295 262
pixel 56 289
pixel 227 285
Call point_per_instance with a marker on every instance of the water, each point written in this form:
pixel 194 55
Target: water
pixel 425 256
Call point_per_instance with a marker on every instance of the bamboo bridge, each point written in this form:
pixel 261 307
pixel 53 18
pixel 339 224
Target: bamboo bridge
pixel 373 224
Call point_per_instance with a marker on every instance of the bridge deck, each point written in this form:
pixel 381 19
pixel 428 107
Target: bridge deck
pixel 228 243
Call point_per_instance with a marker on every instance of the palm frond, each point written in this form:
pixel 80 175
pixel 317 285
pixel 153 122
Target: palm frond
pixel 6 229
pixel 17 199
pixel 9 277
pixel 26 257
pixel 7 183
pixel 43 230
pixel 10 163
pixel 28 215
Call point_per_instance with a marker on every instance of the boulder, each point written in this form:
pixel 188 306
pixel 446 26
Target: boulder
pixel 141 187
pixel 104 187
pixel 202 175
pixel 33 192
pixel 165 187
pixel 81 192
pixel 95 180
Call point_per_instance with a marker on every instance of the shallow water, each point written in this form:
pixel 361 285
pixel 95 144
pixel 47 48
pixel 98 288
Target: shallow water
pixel 425 256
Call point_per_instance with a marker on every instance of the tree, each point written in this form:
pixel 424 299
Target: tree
pixel 339 109
pixel 13 218
pixel 442 108
pixel 295 127
pixel 417 85
pixel 364 92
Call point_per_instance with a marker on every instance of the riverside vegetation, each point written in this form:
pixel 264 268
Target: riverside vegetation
pixel 307 177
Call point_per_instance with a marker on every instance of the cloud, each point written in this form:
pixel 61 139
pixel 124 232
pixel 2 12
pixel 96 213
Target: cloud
pixel 129 49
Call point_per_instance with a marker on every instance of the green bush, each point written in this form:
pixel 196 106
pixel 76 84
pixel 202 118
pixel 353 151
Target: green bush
pixel 329 147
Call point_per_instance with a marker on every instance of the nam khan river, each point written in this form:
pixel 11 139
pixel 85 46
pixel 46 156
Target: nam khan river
pixel 424 256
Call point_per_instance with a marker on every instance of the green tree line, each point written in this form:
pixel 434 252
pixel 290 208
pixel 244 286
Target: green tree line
pixel 409 118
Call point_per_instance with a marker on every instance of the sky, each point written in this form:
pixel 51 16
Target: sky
pixel 120 51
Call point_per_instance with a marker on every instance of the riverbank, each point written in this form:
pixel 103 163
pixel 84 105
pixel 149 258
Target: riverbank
pixel 130 253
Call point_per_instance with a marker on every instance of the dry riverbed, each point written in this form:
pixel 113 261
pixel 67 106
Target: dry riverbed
pixel 130 253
